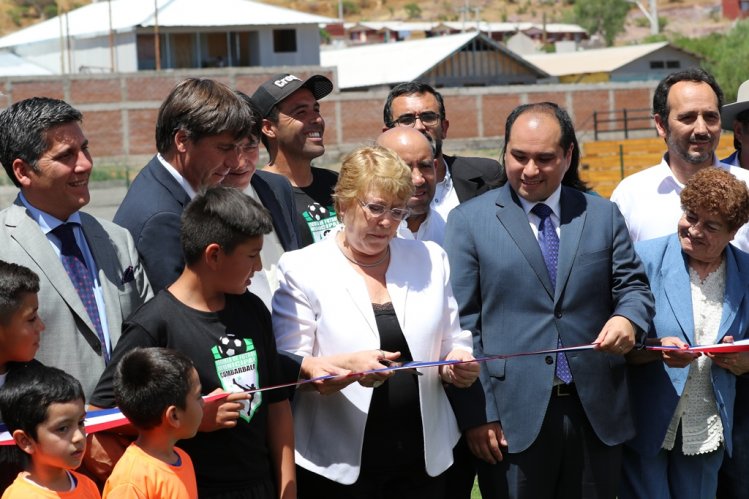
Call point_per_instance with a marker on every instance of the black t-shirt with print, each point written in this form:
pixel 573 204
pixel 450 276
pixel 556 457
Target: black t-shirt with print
pixel 315 212
pixel 233 349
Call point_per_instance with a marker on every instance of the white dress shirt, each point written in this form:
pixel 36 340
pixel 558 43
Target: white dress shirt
pixel 650 202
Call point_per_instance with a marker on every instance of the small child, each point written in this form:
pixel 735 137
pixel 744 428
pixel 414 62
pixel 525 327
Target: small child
pixel 245 445
pixel 20 328
pixel 43 408
pixel 158 390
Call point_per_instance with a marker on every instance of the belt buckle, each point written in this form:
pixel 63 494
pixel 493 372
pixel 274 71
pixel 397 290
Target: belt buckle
pixel 563 390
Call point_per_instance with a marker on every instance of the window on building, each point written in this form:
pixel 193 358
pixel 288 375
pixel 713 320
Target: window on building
pixel 744 5
pixel 284 40
pixel 657 65
pixel 673 64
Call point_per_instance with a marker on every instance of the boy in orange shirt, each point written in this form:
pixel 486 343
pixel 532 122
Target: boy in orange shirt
pixel 158 390
pixel 43 408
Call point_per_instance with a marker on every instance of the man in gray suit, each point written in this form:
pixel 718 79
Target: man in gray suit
pixel 535 265
pixel 90 275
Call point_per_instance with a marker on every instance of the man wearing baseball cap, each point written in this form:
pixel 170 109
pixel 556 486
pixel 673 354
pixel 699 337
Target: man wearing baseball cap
pixel 736 117
pixel 292 133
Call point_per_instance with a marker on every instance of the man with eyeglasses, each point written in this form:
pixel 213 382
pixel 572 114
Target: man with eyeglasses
pixel 292 133
pixel 458 178
pixel 424 223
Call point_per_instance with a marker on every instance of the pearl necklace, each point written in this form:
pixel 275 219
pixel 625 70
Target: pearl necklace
pixel 364 265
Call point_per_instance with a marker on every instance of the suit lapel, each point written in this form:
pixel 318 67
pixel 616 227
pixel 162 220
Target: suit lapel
pixel 108 271
pixel 735 293
pixel 162 175
pixel 465 188
pixel 572 220
pixel 512 216
pixel 356 289
pixel 397 271
pixel 30 237
pixel 268 199
pixel 678 290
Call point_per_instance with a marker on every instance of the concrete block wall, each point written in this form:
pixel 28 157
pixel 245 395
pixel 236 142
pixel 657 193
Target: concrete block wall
pixel 120 109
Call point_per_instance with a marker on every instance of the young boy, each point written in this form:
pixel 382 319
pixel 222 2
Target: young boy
pixel 158 390
pixel 43 409
pixel 20 328
pixel 244 447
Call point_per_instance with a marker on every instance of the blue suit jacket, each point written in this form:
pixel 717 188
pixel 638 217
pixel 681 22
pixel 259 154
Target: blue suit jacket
pixel 656 388
pixel 151 211
pixel 505 298
pixel 153 205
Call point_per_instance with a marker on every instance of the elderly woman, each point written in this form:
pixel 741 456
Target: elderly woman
pixel 684 401
pixel 361 299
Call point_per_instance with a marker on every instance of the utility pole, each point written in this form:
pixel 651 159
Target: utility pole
pixel 156 41
pixel 651 16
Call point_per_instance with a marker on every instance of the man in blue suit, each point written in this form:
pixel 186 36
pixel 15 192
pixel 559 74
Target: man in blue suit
pixel 199 126
pixel 536 265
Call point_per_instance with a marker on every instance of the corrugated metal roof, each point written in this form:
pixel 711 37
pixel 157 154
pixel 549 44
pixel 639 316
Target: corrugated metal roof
pixel 392 26
pixel 592 61
pixel 93 19
pixel 508 27
pixel 389 63
pixel 12 65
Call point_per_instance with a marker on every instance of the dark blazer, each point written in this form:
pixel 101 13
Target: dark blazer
pixel 151 211
pixel 471 176
pixel 505 298
pixel 657 388
pixel 276 195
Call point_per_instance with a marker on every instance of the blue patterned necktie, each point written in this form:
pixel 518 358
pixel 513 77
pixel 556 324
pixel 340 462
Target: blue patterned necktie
pixel 75 266
pixel 549 243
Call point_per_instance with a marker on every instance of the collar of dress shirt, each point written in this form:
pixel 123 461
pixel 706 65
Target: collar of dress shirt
pixel 177 176
pixel 46 221
pixel 552 202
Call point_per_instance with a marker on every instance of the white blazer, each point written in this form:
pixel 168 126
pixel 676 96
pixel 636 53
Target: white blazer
pixel 323 308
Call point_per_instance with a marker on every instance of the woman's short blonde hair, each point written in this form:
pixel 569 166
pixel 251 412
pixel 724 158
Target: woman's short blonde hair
pixel 717 191
pixel 372 169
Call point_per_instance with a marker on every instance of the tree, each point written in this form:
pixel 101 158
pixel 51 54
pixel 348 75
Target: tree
pixel 413 11
pixel 725 56
pixel 605 17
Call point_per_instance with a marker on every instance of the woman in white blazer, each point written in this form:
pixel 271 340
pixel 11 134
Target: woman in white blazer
pixel 358 300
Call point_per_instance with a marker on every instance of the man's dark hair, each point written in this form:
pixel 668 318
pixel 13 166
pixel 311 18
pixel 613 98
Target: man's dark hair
pixel 201 107
pixel 224 216
pixel 273 115
pixel 15 281
pixel 28 392
pixel 409 88
pixel 255 131
pixel 23 130
pixel 149 380
pixel 572 177
pixel 697 75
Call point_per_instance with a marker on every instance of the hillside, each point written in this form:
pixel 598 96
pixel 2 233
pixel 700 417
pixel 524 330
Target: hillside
pixel 687 17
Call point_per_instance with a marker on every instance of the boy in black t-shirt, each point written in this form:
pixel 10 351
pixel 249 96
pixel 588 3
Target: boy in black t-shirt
pixel 245 445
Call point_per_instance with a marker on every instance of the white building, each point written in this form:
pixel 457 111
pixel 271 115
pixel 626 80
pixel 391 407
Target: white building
pixel 119 35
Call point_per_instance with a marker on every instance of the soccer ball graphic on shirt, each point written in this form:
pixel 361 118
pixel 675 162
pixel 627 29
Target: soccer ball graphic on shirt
pixel 230 345
pixel 317 211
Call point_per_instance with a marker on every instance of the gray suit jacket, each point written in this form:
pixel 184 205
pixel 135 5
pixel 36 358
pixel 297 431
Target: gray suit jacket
pixel 506 299
pixel 69 341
